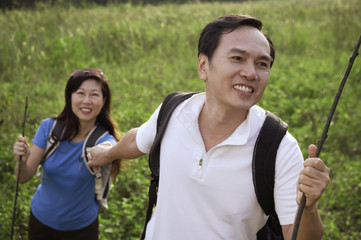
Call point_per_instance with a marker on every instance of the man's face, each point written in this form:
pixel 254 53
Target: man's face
pixel 239 70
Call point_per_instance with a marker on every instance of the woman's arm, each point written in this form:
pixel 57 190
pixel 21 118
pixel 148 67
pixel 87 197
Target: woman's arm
pixel 30 159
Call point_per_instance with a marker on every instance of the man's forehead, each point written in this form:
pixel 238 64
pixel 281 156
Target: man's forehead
pixel 244 37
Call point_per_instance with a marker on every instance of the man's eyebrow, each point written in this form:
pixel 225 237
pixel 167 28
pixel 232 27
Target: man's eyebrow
pixel 240 51
pixel 266 58
pixel 243 52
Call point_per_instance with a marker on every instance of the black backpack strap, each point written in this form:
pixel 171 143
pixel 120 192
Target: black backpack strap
pixel 263 170
pixel 165 112
pixel 93 136
pixel 102 177
pixel 53 140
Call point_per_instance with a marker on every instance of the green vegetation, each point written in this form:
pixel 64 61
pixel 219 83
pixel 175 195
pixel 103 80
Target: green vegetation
pixel 150 51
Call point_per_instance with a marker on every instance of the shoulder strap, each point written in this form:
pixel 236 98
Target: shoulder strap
pixel 93 137
pixel 102 176
pixel 165 112
pixel 53 140
pixel 264 157
pixel 263 170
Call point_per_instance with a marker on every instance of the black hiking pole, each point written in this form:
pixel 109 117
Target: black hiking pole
pixel 324 133
pixel 17 179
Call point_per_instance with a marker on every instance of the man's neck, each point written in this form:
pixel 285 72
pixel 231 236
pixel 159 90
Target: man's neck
pixel 216 125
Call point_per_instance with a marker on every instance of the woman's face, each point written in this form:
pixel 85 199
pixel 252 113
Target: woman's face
pixel 87 101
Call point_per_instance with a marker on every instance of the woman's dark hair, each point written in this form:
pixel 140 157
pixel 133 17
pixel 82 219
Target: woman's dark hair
pixel 71 121
pixel 211 33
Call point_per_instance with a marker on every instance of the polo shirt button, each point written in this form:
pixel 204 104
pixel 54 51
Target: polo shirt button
pixel 200 163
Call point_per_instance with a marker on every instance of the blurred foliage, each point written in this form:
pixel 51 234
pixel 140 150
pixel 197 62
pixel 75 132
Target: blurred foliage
pixel 35 4
pixel 149 51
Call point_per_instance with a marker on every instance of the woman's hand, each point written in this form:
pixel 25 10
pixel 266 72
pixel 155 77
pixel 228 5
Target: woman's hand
pixel 22 149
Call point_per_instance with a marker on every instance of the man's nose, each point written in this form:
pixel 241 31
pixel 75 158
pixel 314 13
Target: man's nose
pixel 249 72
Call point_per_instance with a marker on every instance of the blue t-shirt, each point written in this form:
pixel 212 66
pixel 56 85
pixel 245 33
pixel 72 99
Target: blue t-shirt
pixel 65 200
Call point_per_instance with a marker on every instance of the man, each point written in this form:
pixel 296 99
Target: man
pixel 205 187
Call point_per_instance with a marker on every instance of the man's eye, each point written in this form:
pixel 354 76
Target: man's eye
pixel 237 58
pixel 263 64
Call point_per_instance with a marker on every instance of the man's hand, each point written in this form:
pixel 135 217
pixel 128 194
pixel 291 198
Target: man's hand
pixel 97 155
pixel 313 179
pixel 105 153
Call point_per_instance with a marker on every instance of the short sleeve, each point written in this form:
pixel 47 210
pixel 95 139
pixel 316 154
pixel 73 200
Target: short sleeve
pixel 289 163
pixel 43 132
pixel 107 138
pixel 146 133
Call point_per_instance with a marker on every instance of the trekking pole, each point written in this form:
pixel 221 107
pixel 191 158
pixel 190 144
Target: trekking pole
pixel 324 134
pixel 17 179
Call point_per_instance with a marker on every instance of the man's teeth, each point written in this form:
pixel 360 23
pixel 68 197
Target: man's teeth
pixel 243 88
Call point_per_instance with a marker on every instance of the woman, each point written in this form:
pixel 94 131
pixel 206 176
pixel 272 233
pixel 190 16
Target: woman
pixel 64 205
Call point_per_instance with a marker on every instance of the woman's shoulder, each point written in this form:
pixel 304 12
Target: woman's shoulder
pixel 47 123
pixel 43 132
pixel 107 137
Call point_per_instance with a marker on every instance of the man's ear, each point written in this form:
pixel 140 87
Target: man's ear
pixel 203 66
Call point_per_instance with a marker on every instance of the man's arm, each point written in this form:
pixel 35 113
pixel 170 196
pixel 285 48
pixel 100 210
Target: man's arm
pixel 310 226
pixel 126 148
pixel 313 181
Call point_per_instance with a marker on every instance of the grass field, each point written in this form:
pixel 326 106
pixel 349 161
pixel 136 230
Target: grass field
pixel 149 51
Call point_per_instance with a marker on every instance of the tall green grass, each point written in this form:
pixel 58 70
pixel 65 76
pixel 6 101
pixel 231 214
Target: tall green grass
pixel 147 52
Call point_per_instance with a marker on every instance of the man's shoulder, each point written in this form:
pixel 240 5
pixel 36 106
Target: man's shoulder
pixel 258 111
pixel 256 117
pixel 191 106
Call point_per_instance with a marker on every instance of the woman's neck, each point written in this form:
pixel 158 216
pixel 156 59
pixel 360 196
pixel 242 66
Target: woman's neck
pixel 84 129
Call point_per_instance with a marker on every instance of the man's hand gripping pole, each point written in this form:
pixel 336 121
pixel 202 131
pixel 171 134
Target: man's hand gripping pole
pixel 324 134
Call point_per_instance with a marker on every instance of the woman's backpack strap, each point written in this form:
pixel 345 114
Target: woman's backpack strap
pixel 53 140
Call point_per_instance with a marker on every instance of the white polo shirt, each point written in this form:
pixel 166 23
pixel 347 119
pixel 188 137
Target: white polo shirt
pixel 217 199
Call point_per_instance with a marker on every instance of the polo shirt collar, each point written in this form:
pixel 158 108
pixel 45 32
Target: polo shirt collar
pixel 188 113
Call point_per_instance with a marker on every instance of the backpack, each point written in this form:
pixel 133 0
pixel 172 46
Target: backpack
pixel 102 176
pixel 263 164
